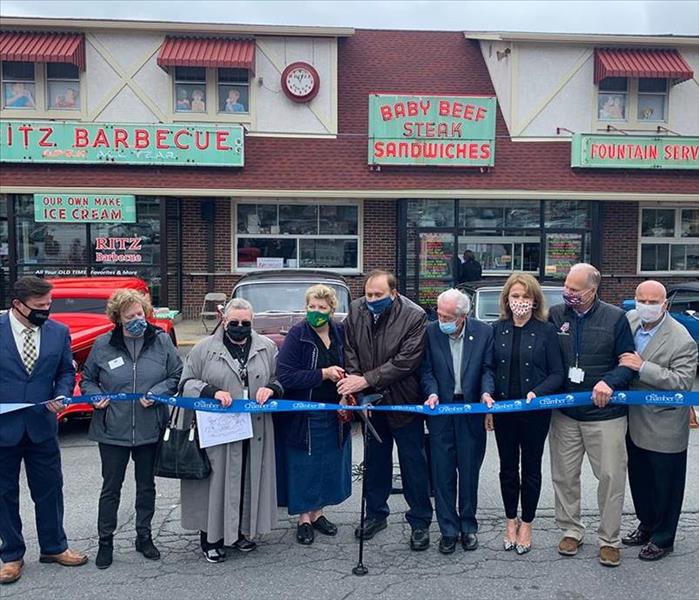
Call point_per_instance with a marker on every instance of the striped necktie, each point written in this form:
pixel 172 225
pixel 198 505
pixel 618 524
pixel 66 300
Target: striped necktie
pixel 29 354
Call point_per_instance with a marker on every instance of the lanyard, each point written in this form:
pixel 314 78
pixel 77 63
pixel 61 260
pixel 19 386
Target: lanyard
pixel 579 320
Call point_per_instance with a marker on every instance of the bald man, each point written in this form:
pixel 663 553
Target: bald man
pixel 665 359
pixel 593 335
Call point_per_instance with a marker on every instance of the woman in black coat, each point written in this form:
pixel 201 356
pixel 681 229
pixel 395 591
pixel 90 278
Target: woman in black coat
pixel 528 363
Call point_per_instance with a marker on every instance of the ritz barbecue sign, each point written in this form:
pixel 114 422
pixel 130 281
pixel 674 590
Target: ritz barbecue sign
pixel 456 131
pixel 106 143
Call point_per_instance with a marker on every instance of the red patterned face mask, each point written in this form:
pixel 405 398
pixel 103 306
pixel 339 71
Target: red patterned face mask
pixel 520 308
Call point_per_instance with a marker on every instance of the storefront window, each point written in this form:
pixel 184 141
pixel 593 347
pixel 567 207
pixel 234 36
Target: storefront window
pixel 18 85
pixel 669 240
pixel 544 238
pixel 190 89
pixel 63 86
pixel 101 248
pixel 233 90
pixel 278 235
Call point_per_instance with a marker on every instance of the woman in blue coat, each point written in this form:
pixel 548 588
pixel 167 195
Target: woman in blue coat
pixel 528 363
pixel 314 450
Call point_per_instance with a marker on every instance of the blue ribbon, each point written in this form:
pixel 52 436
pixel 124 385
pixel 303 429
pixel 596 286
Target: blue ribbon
pixel 647 398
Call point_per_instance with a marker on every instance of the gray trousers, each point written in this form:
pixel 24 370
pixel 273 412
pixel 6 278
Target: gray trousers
pixel 605 445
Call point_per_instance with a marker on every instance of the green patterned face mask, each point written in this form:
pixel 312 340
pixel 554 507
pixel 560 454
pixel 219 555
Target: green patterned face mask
pixel 316 318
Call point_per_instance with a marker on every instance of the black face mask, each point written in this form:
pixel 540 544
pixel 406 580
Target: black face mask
pixel 238 333
pixel 36 316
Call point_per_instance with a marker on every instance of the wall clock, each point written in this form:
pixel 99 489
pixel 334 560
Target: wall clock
pixel 300 82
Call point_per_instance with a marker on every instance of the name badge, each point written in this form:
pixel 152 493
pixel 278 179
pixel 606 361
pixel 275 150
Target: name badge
pixel 116 363
pixel 246 396
pixel 576 374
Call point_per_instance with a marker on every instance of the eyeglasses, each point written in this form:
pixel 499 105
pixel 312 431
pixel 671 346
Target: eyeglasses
pixel 236 323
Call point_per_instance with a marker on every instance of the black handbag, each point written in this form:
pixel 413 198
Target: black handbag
pixel 179 455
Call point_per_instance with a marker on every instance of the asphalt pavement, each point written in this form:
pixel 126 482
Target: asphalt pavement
pixel 281 568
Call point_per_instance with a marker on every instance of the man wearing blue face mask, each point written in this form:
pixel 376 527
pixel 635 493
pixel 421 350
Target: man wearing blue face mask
pixel 658 436
pixel 384 344
pixel 457 368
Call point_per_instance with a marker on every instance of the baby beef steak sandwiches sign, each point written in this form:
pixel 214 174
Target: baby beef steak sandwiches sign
pixel 457 131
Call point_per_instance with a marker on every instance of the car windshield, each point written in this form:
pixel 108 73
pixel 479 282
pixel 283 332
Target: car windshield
pixel 286 297
pixel 94 306
pixel 488 302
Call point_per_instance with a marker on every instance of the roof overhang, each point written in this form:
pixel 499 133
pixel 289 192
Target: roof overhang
pixel 174 27
pixel 584 38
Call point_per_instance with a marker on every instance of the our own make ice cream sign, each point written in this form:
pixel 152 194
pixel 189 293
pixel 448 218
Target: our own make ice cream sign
pixel 454 131
pixel 105 143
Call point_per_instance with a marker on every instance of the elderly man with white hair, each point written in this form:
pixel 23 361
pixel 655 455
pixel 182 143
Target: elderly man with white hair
pixel 593 335
pixel 665 359
pixel 238 501
pixel 457 368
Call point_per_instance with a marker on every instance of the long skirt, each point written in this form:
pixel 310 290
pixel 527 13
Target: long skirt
pixel 319 477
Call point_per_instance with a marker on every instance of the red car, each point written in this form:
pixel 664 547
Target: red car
pixel 81 303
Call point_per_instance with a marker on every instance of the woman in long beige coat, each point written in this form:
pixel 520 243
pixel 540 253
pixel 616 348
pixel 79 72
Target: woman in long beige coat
pixel 238 501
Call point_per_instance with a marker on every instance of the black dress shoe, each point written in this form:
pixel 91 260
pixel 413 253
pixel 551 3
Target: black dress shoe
pixel 469 541
pixel 447 544
pixel 637 537
pixel 652 552
pixel 104 555
pixel 420 539
pixel 324 526
pixel 304 534
pixel 146 547
pixel 371 528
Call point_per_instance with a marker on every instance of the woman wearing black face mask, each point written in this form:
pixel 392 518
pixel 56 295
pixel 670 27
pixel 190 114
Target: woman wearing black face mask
pixel 238 501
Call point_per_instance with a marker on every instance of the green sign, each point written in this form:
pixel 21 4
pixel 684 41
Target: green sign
pixel 456 131
pixel 634 152
pixel 95 143
pixel 81 208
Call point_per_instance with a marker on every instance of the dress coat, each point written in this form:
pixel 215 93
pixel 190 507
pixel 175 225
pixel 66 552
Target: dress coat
pixel 213 504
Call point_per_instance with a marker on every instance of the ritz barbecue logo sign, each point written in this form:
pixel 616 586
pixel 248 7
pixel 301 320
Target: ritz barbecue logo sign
pixel 106 143
pixel 432 130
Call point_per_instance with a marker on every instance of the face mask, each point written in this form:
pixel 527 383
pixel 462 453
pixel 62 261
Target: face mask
pixel 649 313
pixel 520 308
pixel 36 316
pixel 238 332
pixel 136 327
pixel 378 306
pixel 449 327
pixel 574 299
pixel 316 318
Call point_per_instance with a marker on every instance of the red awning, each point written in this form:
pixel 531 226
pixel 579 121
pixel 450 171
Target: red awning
pixel 43 47
pixel 207 52
pixel 658 64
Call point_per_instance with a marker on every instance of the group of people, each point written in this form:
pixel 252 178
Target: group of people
pixel 385 347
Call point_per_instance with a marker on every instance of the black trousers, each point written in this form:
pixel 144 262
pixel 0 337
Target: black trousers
pixel 410 440
pixel 521 436
pixel 114 462
pixel 42 463
pixel 657 483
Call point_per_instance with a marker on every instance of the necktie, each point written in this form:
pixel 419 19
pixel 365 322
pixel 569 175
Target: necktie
pixel 29 354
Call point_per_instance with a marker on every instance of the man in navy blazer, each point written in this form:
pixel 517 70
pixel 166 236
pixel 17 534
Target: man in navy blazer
pixel 37 368
pixel 457 368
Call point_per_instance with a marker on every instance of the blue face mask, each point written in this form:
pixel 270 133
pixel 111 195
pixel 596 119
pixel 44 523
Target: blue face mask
pixel 449 327
pixel 136 327
pixel 378 306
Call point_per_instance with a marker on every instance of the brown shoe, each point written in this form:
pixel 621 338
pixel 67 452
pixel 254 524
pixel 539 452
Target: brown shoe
pixel 67 558
pixel 609 556
pixel 568 546
pixel 11 571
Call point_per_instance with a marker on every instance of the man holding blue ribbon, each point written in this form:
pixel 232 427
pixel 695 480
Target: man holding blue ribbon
pixel 36 369
pixel 665 359
pixel 593 336
pixel 385 335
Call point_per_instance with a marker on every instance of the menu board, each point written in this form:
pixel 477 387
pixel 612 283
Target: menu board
pixel 563 250
pixel 435 260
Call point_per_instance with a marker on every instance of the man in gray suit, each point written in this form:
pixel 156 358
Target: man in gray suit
pixel 665 359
